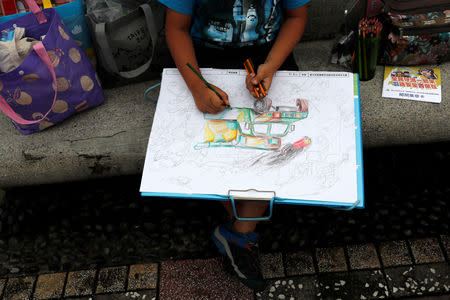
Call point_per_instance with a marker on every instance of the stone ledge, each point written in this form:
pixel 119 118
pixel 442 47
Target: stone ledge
pixel 112 139
pixel 385 121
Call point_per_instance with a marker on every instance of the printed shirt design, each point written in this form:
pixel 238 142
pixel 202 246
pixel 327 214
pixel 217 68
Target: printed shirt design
pixel 235 23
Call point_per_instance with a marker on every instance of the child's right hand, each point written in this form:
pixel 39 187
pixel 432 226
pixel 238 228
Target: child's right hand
pixel 208 102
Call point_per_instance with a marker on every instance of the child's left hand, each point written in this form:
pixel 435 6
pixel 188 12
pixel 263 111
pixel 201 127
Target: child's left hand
pixel 264 74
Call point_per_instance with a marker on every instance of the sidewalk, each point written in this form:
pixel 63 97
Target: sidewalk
pixel 417 267
pixel 100 239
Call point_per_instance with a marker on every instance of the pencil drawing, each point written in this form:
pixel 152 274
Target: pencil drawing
pixel 284 155
pixel 261 128
pixel 303 149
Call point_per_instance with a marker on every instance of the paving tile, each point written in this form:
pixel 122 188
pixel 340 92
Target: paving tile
pixel 2 285
pixel 331 259
pixel 147 295
pixel 368 284
pixel 202 278
pixel 299 263
pixel 143 277
pixel 49 286
pixel 301 287
pixel 272 265
pixel 111 280
pixel 395 253
pixel 363 256
pixel 426 250
pixel 418 280
pixel 446 243
pixel 19 288
pixel 444 297
pixel 80 283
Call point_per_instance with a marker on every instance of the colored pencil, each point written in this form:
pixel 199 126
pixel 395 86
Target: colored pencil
pixel 369 31
pixel 260 90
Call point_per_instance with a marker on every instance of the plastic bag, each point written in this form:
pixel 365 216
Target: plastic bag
pixel 104 11
pixel 132 48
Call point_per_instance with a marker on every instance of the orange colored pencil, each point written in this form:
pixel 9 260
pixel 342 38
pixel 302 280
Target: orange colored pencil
pixel 260 90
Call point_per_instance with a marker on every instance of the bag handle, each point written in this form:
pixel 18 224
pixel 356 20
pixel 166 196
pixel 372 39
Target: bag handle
pixel 4 106
pixel 110 63
pixel 36 11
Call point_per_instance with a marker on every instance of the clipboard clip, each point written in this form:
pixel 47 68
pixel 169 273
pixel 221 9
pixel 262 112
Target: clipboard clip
pixel 252 195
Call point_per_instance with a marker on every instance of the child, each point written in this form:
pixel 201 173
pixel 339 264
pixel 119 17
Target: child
pixel 223 34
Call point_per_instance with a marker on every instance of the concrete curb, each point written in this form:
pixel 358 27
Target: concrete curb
pixel 112 139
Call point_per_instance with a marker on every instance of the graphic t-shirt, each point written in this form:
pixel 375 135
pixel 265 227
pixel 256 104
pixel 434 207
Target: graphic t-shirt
pixel 233 23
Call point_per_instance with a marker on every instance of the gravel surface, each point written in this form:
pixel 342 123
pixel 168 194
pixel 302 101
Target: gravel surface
pixel 105 222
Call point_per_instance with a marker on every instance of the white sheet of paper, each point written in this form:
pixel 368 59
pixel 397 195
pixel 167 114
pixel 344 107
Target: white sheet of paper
pixel 324 171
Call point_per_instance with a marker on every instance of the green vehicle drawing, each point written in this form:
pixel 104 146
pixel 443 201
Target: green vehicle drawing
pixel 247 128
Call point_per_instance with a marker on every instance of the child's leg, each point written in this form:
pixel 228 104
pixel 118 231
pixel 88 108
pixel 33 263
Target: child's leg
pixel 246 209
pixel 229 208
pixel 239 244
pixel 249 209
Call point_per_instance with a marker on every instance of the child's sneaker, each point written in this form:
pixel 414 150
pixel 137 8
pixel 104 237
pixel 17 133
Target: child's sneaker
pixel 241 251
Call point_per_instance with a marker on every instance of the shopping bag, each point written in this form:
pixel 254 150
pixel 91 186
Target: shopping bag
pixel 131 48
pixel 55 81
pixel 73 17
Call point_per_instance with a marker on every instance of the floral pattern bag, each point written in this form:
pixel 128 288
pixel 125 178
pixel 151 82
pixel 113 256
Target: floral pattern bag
pixel 419 32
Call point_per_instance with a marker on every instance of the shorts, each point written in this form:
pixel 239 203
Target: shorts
pixel 233 58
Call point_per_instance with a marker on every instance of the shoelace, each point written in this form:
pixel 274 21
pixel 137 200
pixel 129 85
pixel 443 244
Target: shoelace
pixel 253 248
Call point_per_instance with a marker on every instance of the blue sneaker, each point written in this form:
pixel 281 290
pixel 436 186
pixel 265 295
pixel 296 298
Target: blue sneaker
pixel 241 251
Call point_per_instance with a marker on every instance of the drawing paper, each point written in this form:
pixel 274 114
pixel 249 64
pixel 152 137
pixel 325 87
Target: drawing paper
pixel 194 153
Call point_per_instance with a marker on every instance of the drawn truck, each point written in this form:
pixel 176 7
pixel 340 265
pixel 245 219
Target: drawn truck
pixel 246 128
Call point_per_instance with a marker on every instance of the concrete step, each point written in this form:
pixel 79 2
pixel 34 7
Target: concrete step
pixel 112 139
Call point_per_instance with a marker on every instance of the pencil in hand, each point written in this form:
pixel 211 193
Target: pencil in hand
pixel 207 83
pixel 259 90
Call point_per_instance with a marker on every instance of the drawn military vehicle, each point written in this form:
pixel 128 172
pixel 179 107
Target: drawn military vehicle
pixel 260 128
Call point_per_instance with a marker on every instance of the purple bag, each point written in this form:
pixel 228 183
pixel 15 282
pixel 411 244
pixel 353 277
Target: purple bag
pixel 55 81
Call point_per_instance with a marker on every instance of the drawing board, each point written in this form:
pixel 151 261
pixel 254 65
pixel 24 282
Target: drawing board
pixel 303 141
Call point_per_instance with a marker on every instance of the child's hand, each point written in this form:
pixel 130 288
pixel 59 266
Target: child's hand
pixel 264 75
pixel 208 102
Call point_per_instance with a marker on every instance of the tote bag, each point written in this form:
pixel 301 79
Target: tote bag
pixel 418 32
pixel 55 81
pixel 131 48
pixel 72 15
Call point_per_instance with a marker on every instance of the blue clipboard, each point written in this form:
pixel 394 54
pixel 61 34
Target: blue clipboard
pixel 277 200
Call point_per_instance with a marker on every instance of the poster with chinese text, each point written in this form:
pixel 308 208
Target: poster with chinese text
pixel 412 83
